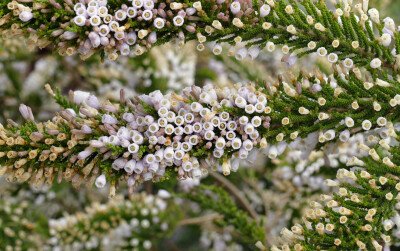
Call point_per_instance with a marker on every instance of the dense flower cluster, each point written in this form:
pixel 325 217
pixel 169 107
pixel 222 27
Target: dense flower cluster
pixel 369 187
pixel 17 230
pixel 117 225
pixel 344 35
pixel 156 136
pixel 140 139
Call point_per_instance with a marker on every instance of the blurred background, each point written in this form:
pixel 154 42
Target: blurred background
pixel 43 219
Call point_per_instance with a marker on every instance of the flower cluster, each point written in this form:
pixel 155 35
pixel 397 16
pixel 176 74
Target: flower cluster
pixel 344 35
pixel 16 226
pixel 141 139
pixel 156 136
pixel 364 202
pixel 117 225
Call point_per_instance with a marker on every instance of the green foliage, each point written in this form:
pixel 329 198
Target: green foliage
pixel 64 102
pixel 218 200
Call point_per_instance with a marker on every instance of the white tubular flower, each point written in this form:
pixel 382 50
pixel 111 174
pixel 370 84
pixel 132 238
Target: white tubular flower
pixel 102 11
pixel 349 122
pixel 381 121
pixel 266 25
pixel 133 148
pixel 344 136
pixel 236 143
pixel 241 53
pixel 348 63
pixel 80 20
pixel 289 9
pixel 137 3
pixel 366 125
pixel 322 51
pixel 148 4
pixel 291 29
pixel 80 96
pixel 217 25
pixel 130 166
pixel 335 43
pixel 249 129
pixel 91 11
pixel 376 63
pixel 152 38
pixel 95 21
pixel 323 116
pixel 93 3
pixel 217 49
pixel 339 12
pixel 385 39
pixel 331 183
pixel 355 44
pixel 250 109
pixel 148 15
pixel 256 121
pixel 104 30
pixel 265 10
pixel 82 12
pixel 113 25
pixel 253 52
pixel 25 16
pixel 235 7
pixel 354 161
pixel 332 58
pixel 248 145
pixel 270 46
pixel 319 27
pixel 119 35
pixel 101 181
pixel 159 23
pixel 388 224
pixel 78 6
pixel 178 20
pixel 329 135
pixel 303 110
pixel 311 45
pixel 131 12
pixel 377 106
pixel 131 38
pixel 310 20
pixel 273 152
pixel 120 15
pixel 382 83
pixel 238 23
pixel 374 15
pixel 285 49
pixel 107 19
pixel 368 85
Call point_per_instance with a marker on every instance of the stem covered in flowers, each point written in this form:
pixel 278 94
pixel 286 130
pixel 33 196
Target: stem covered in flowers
pixel 349 34
pixel 153 136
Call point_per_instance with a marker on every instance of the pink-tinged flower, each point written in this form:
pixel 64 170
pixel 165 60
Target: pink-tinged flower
pixel 316 88
pixel 84 154
pixel 108 119
pixel 26 112
pixel 93 102
pixel 86 129
pixel 25 16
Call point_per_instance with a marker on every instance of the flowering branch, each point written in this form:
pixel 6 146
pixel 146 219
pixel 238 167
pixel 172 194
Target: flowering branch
pixel 119 224
pixel 360 214
pixel 347 34
pixel 140 139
